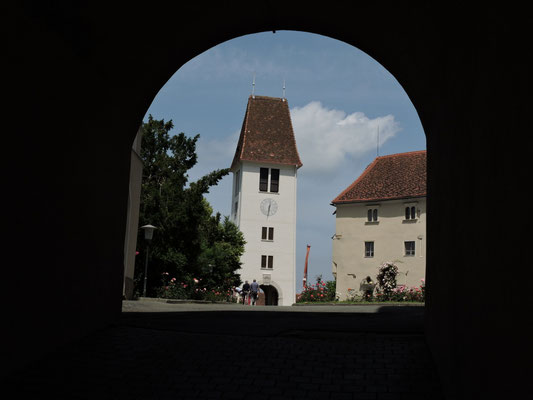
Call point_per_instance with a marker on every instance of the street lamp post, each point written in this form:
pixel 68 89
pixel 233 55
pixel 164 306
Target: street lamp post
pixel 148 235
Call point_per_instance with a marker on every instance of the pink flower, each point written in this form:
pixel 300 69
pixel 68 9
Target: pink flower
pixel 195 280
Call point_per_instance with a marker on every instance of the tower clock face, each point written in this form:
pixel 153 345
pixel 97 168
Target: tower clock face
pixel 269 207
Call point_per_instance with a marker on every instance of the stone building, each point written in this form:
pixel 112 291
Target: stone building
pixel 381 217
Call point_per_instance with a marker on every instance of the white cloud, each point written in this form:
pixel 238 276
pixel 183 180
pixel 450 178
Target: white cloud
pixel 326 138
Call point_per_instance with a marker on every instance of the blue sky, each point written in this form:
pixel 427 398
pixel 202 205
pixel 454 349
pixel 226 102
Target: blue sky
pixel 338 96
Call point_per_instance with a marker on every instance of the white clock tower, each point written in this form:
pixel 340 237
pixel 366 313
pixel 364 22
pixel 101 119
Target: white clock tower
pixel 263 205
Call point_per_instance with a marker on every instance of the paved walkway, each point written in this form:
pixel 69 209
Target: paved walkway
pixel 199 351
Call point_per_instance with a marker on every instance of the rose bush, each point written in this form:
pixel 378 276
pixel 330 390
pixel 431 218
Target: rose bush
pixel 192 289
pixel 319 292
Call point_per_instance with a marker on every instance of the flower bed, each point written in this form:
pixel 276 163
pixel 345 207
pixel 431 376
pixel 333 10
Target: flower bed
pixel 192 289
pixel 319 292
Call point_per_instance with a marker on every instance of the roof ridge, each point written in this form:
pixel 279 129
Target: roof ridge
pixel 401 154
pixel 260 97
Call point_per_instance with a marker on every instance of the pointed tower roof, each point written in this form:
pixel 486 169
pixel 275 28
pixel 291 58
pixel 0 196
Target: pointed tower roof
pixel 266 133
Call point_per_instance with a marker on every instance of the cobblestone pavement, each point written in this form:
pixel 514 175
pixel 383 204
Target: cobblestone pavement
pixel 180 352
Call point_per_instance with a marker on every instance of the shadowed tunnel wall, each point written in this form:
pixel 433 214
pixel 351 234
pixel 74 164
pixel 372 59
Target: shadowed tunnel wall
pixel 81 77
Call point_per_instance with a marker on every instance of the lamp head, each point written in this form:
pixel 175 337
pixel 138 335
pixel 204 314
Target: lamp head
pixel 148 231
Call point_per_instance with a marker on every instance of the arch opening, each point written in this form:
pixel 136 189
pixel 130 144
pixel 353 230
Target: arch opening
pixel 270 296
pixel 194 80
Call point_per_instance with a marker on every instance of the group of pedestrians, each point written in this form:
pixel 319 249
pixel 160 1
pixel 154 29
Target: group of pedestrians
pixel 250 292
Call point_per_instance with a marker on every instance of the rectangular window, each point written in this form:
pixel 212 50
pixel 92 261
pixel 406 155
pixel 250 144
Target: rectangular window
pixel 237 182
pixel 372 215
pixel 236 208
pixel 263 179
pixel 274 180
pixel 369 249
pixel 409 248
pixel 410 213
pixel 267 233
pixel 267 262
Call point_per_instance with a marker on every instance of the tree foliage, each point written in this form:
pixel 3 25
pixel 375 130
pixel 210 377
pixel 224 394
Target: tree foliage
pixel 188 237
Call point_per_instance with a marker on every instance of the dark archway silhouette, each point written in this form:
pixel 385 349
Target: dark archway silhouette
pixel 270 295
pixel 80 79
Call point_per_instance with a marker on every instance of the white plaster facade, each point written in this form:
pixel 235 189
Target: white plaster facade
pixel 389 234
pixel 246 213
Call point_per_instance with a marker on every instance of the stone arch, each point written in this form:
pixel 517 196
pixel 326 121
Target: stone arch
pixel 278 293
pixel 81 80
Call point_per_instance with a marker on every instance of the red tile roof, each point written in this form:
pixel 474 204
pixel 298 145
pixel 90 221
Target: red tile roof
pixel 266 133
pixel 396 176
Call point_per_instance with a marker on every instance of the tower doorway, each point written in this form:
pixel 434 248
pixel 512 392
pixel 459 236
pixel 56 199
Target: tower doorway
pixel 271 295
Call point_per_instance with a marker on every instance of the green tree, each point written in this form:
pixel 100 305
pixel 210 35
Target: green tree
pixel 181 214
pixel 222 248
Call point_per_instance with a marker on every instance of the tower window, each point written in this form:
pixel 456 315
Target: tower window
pixel 237 182
pixel 267 262
pixel 274 180
pixel 267 233
pixel 264 180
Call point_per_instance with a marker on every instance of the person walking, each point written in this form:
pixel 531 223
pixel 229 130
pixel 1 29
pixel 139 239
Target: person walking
pixel 254 288
pixel 245 291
